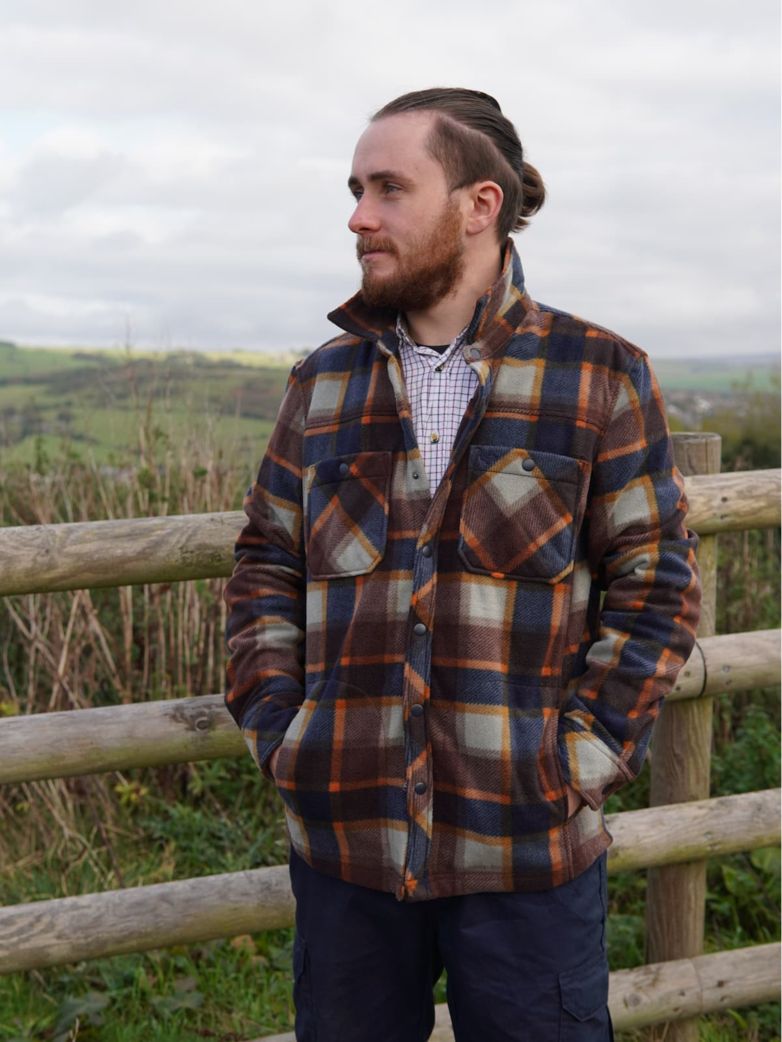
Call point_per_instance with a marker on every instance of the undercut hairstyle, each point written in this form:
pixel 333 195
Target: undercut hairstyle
pixel 473 141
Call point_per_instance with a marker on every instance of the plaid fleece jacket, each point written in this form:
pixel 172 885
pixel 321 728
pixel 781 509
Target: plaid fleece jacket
pixel 435 669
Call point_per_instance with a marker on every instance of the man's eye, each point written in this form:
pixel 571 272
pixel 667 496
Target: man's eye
pixel 356 193
pixel 392 188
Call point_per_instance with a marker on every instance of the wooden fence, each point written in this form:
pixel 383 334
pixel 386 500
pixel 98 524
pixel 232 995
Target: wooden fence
pixel 671 839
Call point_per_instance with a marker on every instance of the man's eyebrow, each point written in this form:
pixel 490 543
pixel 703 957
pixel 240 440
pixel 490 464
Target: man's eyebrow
pixel 379 175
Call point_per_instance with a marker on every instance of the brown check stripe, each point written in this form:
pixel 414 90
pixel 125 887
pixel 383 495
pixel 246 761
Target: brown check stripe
pixel 434 669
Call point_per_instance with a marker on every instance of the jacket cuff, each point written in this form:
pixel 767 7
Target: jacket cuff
pixel 588 765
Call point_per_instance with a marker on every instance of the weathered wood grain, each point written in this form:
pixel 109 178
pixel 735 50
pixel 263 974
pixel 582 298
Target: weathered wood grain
pixel 688 988
pixel 732 502
pixel 127 552
pixel 50 933
pixel 683 832
pixel 667 991
pixel 92 554
pixel 731 662
pixel 116 738
pixel 681 765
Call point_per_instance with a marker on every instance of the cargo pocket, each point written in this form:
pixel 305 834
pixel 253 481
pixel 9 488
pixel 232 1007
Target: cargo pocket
pixel 346 514
pixel 584 991
pixel 519 513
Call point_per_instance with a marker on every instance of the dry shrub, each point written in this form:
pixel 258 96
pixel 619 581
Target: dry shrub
pixel 75 649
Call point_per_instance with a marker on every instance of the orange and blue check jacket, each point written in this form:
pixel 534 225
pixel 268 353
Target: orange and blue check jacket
pixel 434 669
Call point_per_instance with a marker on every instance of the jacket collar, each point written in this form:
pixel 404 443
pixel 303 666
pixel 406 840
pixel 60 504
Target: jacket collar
pixel 498 313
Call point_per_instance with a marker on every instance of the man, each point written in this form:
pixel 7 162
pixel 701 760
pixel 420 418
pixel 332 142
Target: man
pixel 420 656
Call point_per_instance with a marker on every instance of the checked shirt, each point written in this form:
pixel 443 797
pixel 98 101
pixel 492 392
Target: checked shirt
pixel 439 388
pixel 435 668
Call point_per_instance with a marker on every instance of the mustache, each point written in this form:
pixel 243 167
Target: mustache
pixel 369 243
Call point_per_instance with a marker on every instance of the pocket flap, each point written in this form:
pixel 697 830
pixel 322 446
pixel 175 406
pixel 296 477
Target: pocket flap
pixel 585 988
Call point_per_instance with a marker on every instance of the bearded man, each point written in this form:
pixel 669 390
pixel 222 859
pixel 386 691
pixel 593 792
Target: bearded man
pixel 464 588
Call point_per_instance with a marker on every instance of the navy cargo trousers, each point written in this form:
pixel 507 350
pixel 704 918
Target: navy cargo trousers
pixel 522 967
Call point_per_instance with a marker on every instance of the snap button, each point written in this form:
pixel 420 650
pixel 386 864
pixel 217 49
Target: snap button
pixel 415 474
pixel 419 629
pixel 475 352
pixel 434 436
pixel 417 709
pixel 426 551
pixel 528 464
pixel 420 788
pixel 343 469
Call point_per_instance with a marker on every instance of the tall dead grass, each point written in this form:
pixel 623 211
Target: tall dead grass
pixel 71 650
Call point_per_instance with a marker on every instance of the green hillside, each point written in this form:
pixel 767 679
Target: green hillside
pixel 97 400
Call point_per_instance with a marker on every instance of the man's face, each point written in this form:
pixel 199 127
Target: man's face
pixel 409 227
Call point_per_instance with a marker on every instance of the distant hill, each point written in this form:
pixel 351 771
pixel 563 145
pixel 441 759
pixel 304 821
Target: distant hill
pixel 720 375
pixel 97 399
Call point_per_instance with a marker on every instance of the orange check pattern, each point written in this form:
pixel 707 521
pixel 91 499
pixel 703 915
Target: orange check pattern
pixel 434 669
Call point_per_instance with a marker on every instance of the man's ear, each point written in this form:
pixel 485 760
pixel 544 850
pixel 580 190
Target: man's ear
pixel 485 204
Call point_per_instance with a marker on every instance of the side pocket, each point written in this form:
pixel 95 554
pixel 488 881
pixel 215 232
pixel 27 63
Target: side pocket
pixel 584 992
pixel 302 992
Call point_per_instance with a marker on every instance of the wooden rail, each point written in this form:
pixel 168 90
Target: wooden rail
pixel 181 730
pixel 668 990
pixel 48 558
pixel 69 929
pixel 93 554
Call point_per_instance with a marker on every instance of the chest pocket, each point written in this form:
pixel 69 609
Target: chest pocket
pixel 346 514
pixel 518 513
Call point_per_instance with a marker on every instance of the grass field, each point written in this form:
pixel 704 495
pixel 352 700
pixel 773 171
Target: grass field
pixel 92 399
pixel 92 402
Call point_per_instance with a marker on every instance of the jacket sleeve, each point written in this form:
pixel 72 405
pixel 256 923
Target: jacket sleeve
pixel 643 556
pixel 265 595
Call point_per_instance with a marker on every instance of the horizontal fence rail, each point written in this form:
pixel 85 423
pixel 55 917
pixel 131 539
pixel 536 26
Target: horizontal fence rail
pixel 139 919
pixel 92 554
pixel 152 734
pixel 668 990
pixel 116 922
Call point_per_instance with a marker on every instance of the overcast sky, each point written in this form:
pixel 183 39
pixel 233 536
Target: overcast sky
pixel 178 167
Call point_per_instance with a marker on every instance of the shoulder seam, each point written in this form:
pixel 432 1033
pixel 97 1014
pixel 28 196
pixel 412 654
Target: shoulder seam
pixel 627 345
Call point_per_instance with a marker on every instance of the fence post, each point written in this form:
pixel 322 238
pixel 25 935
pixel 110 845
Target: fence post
pixel 680 769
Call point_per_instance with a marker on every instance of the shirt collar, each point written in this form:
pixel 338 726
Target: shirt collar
pixel 427 352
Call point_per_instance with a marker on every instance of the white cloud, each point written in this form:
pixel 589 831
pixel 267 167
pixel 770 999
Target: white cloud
pixel 184 163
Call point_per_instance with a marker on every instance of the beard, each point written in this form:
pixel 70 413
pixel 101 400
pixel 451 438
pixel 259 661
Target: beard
pixel 431 267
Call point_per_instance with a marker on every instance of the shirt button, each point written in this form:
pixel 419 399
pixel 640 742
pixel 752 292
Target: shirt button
pixel 419 629
pixel 528 464
pixel 426 551
pixel 415 474
pixel 417 709
pixel 475 352
pixel 343 469
pixel 420 788
pixel 434 436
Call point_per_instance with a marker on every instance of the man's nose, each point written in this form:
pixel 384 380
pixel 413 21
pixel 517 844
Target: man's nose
pixel 364 219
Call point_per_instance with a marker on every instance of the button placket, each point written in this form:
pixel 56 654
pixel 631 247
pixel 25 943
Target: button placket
pixel 419 767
